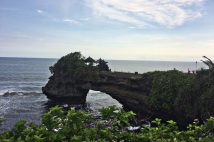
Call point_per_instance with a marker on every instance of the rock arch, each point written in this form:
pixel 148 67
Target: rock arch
pixel 129 89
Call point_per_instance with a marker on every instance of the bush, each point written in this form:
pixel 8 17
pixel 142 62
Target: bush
pixel 180 96
pixel 74 65
pixel 58 125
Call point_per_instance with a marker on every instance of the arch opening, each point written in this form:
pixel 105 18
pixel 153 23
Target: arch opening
pixel 97 100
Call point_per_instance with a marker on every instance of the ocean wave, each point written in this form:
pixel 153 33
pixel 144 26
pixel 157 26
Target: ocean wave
pixel 5 94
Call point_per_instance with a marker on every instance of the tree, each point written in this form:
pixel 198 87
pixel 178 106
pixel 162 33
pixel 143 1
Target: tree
pixel 90 61
pixel 102 65
pixel 210 64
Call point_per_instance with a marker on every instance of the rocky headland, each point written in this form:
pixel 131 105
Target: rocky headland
pixel 163 94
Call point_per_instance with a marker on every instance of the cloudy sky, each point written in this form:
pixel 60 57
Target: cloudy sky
pixel 111 29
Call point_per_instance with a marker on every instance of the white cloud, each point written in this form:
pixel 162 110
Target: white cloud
pixel 84 19
pixel 71 21
pixel 170 13
pixel 39 11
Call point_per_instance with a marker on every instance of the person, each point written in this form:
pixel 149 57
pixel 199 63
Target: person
pixel 188 71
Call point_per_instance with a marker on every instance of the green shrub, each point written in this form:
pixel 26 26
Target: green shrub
pixel 180 96
pixel 60 126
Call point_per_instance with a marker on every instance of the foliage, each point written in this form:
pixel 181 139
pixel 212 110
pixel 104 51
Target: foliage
pixel 180 96
pixel 172 95
pixel 102 65
pixel 118 117
pixel 1 120
pixel 72 126
pixel 90 61
pixel 69 64
pixel 75 66
pixel 208 62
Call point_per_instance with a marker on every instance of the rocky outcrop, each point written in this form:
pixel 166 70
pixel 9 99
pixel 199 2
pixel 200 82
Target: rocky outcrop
pixel 131 90
pixel 166 95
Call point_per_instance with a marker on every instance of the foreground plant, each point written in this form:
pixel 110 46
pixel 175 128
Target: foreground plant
pixel 77 126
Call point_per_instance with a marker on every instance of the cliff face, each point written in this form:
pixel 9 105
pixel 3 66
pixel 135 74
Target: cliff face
pixel 129 89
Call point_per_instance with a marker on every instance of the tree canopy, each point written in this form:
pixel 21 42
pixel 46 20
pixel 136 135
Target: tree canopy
pixel 102 65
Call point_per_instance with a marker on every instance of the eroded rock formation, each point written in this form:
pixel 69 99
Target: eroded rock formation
pixel 129 89
pixel 167 95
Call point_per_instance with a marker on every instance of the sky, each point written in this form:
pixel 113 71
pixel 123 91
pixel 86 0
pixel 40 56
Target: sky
pixel 172 30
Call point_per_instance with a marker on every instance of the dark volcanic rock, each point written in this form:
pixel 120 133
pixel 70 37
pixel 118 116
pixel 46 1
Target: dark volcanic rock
pixel 129 89
pixel 72 79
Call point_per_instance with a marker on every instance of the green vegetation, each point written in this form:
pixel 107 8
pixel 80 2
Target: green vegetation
pixel 102 65
pixel 60 126
pixel 71 63
pixel 76 64
pixel 208 62
pixel 90 61
pixel 181 97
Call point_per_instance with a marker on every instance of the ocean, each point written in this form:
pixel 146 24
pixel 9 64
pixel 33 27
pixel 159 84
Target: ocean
pixel 21 80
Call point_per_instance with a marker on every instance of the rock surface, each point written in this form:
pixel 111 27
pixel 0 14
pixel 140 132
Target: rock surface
pixel 129 89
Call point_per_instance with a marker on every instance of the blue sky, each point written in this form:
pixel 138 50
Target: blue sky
pixel 111 29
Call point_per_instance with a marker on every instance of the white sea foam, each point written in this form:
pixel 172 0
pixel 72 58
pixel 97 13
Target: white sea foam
pixel 4 106
pixel 97 100
pixel 11 92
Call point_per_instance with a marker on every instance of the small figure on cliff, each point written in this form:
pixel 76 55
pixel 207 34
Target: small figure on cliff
pixel 189 71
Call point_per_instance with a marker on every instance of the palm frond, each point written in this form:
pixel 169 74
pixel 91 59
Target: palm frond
pixel 208 62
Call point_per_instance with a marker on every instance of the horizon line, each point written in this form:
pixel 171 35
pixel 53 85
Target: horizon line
pixel 104 59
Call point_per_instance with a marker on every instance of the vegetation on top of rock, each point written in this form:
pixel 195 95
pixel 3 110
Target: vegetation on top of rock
pixel 102 65
pixel 75 64
pixel 60 126
pixel 69 63
pixel 180 96
pixel 90 61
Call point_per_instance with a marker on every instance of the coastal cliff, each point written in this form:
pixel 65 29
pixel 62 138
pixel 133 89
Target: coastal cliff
pixel 129 89
pixel 167 95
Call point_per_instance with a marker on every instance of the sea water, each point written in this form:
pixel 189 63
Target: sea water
pixel 21 80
